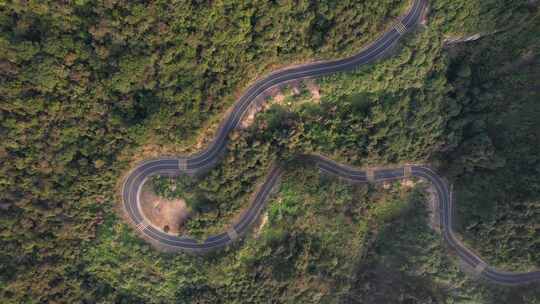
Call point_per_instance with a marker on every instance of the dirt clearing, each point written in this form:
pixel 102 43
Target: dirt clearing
pixel 164 214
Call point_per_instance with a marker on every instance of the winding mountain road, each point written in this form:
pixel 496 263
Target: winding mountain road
pixel 208 157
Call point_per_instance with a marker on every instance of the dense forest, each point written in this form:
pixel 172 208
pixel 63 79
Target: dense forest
pixel 90 89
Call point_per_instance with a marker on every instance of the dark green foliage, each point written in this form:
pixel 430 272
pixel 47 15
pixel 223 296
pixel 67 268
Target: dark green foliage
pixel 409 263
pixel 84 85
pixel 495 166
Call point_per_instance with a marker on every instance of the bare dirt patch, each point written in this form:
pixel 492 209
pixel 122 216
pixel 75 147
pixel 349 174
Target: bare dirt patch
pixel 262 222
pixel 249 117
pixel 314 89
pixel 433 208
pixel 164 214
pixel 279 97
pixel 407 183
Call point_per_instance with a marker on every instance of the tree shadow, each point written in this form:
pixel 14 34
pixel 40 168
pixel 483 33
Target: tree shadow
pixel 409 263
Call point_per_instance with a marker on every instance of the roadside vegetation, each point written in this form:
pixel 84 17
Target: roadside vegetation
pixel 87 87
pixel 496 166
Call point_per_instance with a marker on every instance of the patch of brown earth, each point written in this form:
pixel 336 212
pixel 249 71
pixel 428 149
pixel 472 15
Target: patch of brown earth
pixel 295 87
pixel 407 183
pixel 262 222
pixel 314 89
pixel 279 97
pixel 433 208
pixel 249 117
pixel 164 214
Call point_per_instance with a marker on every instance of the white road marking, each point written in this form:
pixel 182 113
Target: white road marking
pixel 370 173
pixel 233 235
pixel 480 268
pixel 407 171
pixel 182 164
pixel 141 226
pixel 400 27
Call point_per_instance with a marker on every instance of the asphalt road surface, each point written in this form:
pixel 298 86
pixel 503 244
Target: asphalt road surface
pixel 208 157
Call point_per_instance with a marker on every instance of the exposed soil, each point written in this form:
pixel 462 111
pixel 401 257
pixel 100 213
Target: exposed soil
pixel 433 207
pixel 407 183
pixel 262 222
pixel 249 117
pixel 167 215
pixel 314 89
pixel 279 97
